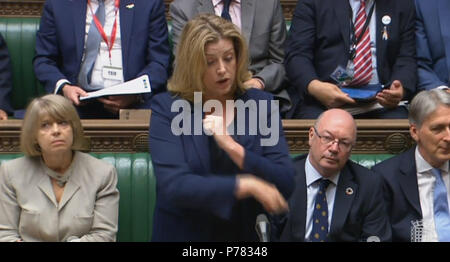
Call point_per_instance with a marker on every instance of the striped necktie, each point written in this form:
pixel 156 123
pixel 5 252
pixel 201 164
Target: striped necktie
pixel 363 58
pixel 92 47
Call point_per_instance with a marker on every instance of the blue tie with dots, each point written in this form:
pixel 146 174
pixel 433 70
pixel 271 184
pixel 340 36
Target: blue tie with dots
pixel 320 215
pixel 440 206
pixel 226 10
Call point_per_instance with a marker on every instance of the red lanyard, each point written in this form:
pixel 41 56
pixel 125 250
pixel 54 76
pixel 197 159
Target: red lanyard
pixel 102 31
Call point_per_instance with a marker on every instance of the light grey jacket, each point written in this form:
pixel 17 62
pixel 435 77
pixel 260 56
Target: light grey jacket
pixel 87 210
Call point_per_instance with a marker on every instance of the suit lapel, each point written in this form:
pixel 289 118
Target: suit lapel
pixel 298 203
pixel 200 142
pixel 343 200
pixel 382 9
pixel 248 9
pixel 126 23
pixel 79 9
pixel 408 180
pixel 444 21
pixel 45 186
pixel 342 9
pixel 70 189
pixel 205 6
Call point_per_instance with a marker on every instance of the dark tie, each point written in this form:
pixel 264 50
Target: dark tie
pixel 440 206
pixel 363 58
pixel 320 215
pixel 92 47
pixel 226 10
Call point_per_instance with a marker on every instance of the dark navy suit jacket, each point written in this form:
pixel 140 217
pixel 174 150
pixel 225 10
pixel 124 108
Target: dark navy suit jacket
pixel 5 77
pixel 144 40
pixel 401 193
pixel 433 43
pixel 356 216
pixel 319 41
pixel 191 200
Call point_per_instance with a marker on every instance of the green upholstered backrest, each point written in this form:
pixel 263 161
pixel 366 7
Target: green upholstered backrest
pixel 20 36
pixel 366 160
pixel 137 186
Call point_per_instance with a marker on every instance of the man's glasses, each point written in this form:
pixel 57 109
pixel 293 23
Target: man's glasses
pixel 343 146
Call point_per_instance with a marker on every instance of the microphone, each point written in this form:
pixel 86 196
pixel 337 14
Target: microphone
pixel 262 228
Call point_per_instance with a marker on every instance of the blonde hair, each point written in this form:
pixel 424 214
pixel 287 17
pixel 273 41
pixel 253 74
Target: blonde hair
pixel 59 109
pixel 190 63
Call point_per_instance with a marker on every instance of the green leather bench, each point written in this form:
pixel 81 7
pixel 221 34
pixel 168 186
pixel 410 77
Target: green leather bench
pixel 20 36
pixel 137 186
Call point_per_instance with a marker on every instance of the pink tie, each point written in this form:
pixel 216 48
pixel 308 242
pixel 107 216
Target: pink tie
pixel 363 57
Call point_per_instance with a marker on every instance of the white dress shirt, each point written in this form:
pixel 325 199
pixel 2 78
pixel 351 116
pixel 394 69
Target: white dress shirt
pixel 425 182
pixel 312 188
pixel 102 60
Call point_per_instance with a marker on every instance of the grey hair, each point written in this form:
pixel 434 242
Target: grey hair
pixel 425 103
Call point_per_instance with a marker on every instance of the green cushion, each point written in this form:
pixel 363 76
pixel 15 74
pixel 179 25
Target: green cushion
pixel 20 36
pixel 137 186
pixel 366 160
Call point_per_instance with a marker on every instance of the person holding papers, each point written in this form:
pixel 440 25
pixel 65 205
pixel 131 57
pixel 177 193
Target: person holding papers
pixel 84 46
pixel 212 185
pixel 355 44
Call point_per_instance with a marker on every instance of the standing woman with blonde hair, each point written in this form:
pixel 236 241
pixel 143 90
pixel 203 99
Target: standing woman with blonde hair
pixel 212 185
pixel 55 192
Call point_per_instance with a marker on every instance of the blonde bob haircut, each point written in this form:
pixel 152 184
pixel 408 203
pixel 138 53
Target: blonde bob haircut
pixel 58 108
pixel 190 63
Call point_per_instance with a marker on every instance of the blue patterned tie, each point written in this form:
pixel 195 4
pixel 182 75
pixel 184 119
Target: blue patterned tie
pixel 320 215
pixel 226 10
pixel 92 47
pixel 441 214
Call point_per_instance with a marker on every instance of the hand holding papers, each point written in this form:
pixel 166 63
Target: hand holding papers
pixel 136 86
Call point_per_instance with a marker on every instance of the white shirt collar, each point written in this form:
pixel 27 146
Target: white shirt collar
pixel 312 175
pixel 423 166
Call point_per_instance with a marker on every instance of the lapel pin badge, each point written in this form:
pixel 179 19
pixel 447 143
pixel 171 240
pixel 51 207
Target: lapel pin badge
pixel 130 6
pixel 349 191
pixel 386 20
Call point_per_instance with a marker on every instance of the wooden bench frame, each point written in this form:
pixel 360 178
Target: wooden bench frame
pixel 374 136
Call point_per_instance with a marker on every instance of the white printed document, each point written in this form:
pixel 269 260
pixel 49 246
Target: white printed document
pixel 136 86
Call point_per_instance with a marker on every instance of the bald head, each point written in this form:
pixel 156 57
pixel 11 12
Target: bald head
pixel 337 118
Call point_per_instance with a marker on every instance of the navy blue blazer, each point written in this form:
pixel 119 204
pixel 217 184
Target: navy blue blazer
pixel 5 77
pixel 144 39
pixel 319 41
pixel 192 202
pixel 433 43
pixel 355 216
pixel 401 193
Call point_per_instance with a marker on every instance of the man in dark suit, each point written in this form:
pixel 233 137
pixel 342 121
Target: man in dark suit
pixel 262 23
pixel 326 37
pixel 137 46
pixel 334 199
pixel 433 43
pixel 409 179
pixel 5 80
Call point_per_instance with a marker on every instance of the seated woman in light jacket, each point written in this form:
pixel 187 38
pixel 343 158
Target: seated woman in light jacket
pixel 56 193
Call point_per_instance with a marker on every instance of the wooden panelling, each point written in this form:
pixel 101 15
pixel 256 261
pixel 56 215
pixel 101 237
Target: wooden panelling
pixel 374 136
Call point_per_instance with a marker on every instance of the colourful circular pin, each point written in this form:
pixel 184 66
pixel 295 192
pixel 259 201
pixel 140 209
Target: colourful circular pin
pixel 349 191
pixel 386 20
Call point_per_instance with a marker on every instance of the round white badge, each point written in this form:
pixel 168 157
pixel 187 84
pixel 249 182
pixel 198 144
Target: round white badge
pixel 386 20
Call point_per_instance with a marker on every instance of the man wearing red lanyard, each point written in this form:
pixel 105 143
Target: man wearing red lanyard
pixel 132 41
